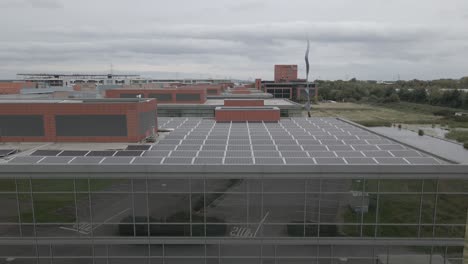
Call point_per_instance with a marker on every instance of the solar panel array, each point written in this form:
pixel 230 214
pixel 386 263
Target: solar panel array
pixel 288 142
pixel 6 152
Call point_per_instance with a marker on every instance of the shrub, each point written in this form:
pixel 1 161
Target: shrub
pixel 461 118
pixel 465 145
pixel 444 112
pixel 421 132
pixel 375 123
pixel 458 135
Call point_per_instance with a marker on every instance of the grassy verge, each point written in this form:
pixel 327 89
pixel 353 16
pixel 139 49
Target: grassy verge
pixel 460 136
pixel 376 115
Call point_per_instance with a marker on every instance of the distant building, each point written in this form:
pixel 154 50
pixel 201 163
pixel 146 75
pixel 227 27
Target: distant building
pixel 287 85
pixel 285 73
pixel 55 79
pixel 294 90
pixel 14 87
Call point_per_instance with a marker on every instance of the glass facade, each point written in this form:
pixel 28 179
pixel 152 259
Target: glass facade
pixel 219 219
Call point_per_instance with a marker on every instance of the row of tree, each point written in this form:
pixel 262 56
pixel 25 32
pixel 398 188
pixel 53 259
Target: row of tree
pixel 424 92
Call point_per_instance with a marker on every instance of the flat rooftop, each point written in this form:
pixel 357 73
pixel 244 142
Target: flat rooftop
pixel 267 102
pixel 198 141
pixel 212 103
pixel 72 101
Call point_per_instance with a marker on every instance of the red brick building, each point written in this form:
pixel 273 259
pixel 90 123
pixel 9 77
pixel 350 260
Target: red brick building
pixel 15 87
pixel 285 73
pixel 77 120
pixel 243 113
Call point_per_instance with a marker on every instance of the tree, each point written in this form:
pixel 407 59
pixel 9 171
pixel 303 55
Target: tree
pixel 419 95
pixel 464 82
pixel 434 96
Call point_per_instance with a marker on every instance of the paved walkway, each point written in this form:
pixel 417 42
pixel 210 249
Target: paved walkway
pixel 443 148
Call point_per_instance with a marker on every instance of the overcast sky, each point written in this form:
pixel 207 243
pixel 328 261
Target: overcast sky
pixel 366 39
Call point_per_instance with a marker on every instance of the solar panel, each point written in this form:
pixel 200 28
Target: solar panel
pixel 365 147
pixel 211 154
pixel 238 142
pixel 379 153
pixel 391 161
pixel 86 160
pixel 238 153
pixel 128 153
pixel 238 161
pixel 177 160
pixel 73 153
pixel 330 161
pixel 216 141
pixel 378 141
pixel 264 147
pixel 175 137
pixel 285 142
pixel 405 153
pixel 326 138
pixel 361 161
pixel 26 159
pixel 321 154
pixel 188 147
pixel 117 160
pixel 269 161
pixel 348 154
pixel 157 153
pixel 422 161
pixel 100 153
pixel 304 161
pixel 183 153
pixel 208 161
pixel 391 147
pixel 355 142
pixel 315 147
pixel 289 147
pixel 266 154
pixel 238 148
pixel 147 160
pixel 7 152
pixel 168 142
pixel 138 147
pixel 309 142
pixel 294 154
pixel 340 148
pixel 214 147
pixel 56 160
pixel 261 142
pixel 44 152
pixel 163 147
pixel 332 142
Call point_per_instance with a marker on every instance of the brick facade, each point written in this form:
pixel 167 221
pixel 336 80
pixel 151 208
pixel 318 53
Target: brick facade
pixel 242 114
pixel 49 111
pixel 285 73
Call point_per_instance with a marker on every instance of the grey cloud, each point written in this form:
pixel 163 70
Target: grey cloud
pixel 46 4
pixel 235 46
pixel 299 31
pixel 247 6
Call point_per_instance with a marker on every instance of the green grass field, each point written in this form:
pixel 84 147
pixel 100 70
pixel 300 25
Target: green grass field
pixel 376 115
pixel 396 113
